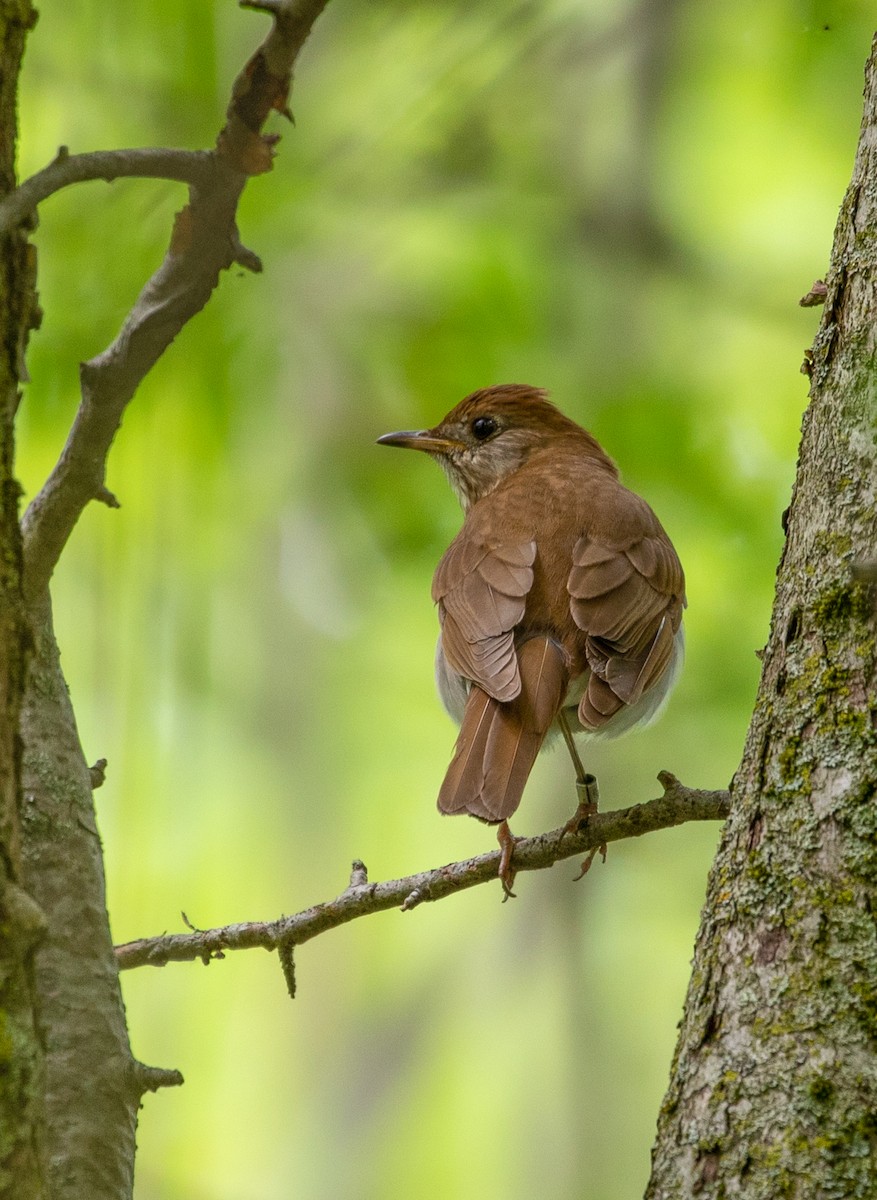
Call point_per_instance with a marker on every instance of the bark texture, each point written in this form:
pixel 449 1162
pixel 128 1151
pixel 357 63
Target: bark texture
pixel 91 1081
pixel 773 1090
pixel 21 924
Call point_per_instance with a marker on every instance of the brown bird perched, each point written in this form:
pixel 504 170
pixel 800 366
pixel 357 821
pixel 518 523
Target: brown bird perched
pixel 560 600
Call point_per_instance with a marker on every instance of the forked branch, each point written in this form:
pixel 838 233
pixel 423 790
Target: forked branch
pixel 677 805
pixel 204 243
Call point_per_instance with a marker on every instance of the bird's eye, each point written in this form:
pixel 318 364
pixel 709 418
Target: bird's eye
pixel 483 427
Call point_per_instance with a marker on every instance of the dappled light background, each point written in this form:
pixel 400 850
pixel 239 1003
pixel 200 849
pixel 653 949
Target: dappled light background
pixel 619 202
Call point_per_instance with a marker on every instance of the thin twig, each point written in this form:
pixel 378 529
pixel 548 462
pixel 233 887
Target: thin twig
pixel 286 954
pixel 98 774
pixel 150 1079
pixel 204 242
pixel 361 898
pixel 194 167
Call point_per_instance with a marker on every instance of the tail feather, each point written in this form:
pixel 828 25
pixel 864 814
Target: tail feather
pixel 466 765
pixel 499 741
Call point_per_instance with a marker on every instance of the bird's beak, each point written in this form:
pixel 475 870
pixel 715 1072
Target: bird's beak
pixel 420 439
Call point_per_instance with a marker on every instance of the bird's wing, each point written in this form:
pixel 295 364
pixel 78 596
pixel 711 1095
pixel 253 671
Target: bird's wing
pixel 627 592
pixel 481 590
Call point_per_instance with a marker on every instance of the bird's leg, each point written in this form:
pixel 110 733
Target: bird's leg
pixel 506 872
pixel 587 791
pixel 586 783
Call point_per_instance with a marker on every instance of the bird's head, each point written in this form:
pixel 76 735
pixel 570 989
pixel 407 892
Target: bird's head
pixel 489 435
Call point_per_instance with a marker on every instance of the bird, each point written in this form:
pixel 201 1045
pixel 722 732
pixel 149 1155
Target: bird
pixel 559 601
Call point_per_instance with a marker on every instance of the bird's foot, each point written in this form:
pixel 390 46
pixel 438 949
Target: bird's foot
pixel 589 796
pixel 506 872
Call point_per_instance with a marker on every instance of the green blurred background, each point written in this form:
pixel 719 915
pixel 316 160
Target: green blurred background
pixel 620 202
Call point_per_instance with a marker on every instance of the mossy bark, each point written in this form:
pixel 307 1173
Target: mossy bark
pixel 92 1084
pixel 21 924
pixel 773 1090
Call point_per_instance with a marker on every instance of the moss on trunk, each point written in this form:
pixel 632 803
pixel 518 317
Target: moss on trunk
pixel 773 1090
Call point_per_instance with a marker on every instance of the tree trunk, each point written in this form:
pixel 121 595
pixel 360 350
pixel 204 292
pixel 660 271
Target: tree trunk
pixel 773 1090
pixel 92 1087
pixel 69 1090
pixel 21 1174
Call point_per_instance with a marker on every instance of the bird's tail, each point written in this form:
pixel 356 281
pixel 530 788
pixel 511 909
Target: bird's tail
pixel 498 742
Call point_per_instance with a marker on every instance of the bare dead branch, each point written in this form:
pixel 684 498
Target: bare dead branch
pixel 204 243
pixel 150 1079
pixel 98 774
pixel 194 167
pixel 105 496
pixel 678 805
pixel 286 954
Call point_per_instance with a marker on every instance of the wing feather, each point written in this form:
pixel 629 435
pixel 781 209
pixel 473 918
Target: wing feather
pixel 481 591
pixel 628 598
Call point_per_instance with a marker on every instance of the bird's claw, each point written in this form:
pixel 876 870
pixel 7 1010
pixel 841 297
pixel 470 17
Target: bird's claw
pixel 586 864
pixel 506 872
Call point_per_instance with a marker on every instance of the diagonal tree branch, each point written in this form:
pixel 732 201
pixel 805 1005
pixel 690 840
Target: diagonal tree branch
pixel 203 244
pixel 678 805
